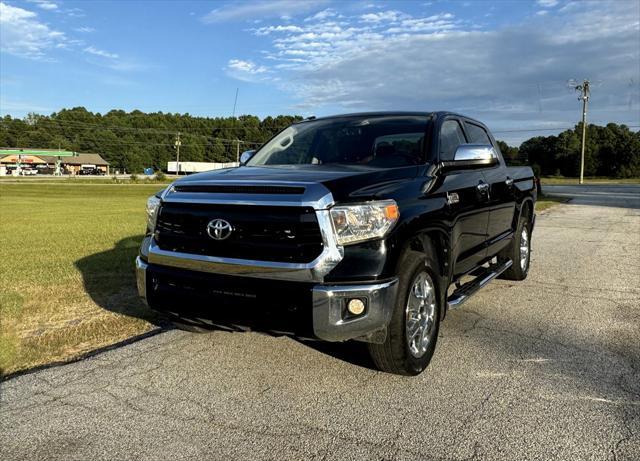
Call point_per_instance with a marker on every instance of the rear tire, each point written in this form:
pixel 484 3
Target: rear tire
pixel 417 307
pixel 519 251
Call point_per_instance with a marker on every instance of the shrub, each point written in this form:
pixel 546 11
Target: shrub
pixel 160 176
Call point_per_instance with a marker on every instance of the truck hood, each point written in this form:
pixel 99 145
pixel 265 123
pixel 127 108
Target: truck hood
pixel 344 181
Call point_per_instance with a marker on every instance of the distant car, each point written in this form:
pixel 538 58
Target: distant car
pixel 91 172
pixel 44 169
pixel 28 172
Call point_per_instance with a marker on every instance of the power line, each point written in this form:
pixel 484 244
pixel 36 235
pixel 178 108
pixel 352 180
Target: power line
pixel 528 130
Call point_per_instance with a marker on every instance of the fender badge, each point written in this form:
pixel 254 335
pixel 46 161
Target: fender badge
pixel 452 198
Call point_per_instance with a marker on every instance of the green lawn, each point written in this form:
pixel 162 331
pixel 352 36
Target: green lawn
pixel 561 180
pixel 67 283
pixel 545 202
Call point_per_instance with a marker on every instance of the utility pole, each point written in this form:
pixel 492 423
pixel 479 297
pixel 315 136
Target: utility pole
pixel 583 88
pixel 233 116
pixel 177 145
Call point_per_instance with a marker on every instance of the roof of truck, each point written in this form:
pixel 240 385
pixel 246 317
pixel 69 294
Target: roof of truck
pixel 385 114
pixel 433 115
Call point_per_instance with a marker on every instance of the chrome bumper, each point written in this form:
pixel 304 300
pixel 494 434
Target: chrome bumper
pixel 329 308
pixel 141 278
pixel 330 319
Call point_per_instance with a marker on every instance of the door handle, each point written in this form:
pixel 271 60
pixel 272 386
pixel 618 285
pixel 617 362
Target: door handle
pixel 509 182
pixel 482 187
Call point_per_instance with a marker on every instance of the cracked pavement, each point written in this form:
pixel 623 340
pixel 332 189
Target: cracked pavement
pixel 548 368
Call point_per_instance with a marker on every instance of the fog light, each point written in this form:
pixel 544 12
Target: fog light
pixel 355 306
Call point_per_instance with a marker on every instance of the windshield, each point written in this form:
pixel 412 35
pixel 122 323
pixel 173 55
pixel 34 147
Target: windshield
pixel 382 141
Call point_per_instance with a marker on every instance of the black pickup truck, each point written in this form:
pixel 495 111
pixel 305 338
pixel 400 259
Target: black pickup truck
pixel 364 226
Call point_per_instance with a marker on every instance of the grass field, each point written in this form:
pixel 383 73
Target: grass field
pixel 562 181
pixel 547 201
pixel 67 282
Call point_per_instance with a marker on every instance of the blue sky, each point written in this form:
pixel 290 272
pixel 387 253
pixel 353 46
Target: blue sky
pixel 505 62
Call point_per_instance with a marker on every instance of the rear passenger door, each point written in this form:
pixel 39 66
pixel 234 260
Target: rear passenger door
pixel 501 195
pixel 468 207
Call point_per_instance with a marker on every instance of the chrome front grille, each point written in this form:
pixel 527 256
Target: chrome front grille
pixel 261 233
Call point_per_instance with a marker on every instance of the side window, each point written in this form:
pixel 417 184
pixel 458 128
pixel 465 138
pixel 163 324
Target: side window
pixel 477 134
pixel 451 136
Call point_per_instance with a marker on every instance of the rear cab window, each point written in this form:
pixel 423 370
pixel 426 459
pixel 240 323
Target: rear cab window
pixel 477 134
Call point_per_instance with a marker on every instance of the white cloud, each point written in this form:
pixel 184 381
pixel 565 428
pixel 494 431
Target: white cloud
pixel 23 34
pixel 383 16
pixel 45 4
pixel 542 13
pixel 322 15
pixel 547 3
pixel 98 52
pixel 115 61
pixel 433 23
pixel 240 11
pixel 269 29
pixel 246 71
pixel 85 30
pixel 510 77
pixel 245 66
pixel 73 12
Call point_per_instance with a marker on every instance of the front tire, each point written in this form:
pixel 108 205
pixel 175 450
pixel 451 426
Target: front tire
pixel 519 251
pixel 413 331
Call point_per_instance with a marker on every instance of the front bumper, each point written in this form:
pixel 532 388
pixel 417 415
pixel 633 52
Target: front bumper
pixel 141 278
pixel 332 322
pixel 327 304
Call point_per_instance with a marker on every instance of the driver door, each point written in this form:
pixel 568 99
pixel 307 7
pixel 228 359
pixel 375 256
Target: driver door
pixel 467 203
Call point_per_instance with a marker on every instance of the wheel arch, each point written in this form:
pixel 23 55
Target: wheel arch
pixel 525 208
pixel 437 238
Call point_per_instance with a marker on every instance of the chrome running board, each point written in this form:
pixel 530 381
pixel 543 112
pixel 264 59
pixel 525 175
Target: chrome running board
pixel 464 292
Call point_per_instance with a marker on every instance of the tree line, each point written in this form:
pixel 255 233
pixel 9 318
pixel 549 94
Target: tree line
pixel 135 140
pixel 611 151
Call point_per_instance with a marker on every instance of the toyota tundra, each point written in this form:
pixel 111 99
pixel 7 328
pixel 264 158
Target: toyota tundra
pixel 365 227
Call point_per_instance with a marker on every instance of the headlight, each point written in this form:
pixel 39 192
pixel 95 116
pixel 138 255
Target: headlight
pixel 356 223
pixel 153 205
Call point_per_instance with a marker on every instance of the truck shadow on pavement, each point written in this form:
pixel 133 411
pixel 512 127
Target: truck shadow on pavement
pixel 109 279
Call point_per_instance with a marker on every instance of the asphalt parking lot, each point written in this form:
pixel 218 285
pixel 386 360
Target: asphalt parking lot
pixel 548 368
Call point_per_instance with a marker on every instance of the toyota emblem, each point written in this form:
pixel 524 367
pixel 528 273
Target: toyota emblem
pixel 219 229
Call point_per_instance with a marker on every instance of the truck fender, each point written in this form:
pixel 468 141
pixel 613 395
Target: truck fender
pixel 439 240
pixel 527 204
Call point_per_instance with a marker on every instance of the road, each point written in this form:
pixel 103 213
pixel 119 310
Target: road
pixel 548 368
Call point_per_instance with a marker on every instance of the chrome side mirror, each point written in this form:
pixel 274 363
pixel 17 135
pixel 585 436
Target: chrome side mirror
pixel 471 156
pixel 483 152
pixel 246 156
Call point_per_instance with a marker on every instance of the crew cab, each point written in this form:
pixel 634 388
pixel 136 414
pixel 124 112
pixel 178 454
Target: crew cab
pixel 364 227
